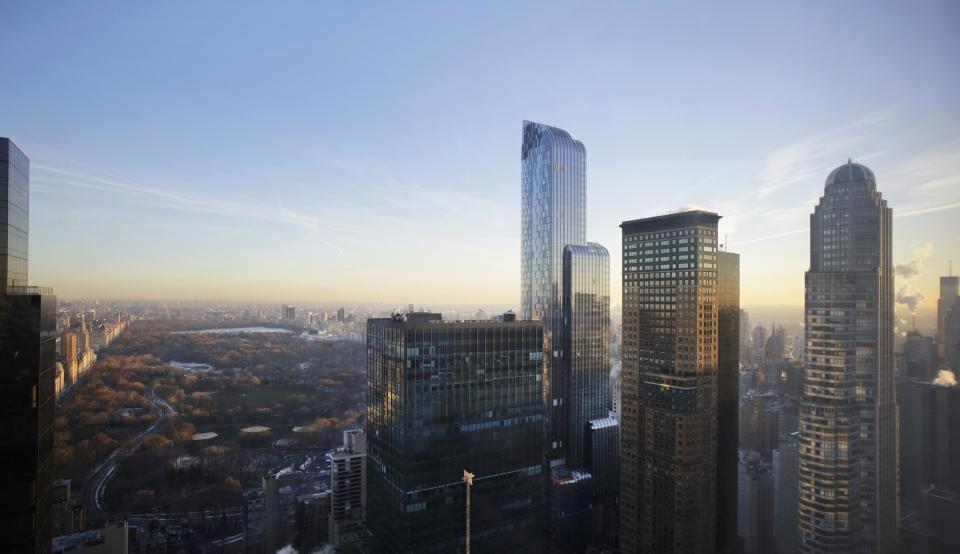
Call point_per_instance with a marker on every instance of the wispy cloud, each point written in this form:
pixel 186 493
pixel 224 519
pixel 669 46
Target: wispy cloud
pixel 812 156
pixel 56 178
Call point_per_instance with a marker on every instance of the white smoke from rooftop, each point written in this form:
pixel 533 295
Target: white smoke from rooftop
pixel 945 378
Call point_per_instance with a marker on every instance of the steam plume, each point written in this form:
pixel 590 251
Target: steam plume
pixel 945 378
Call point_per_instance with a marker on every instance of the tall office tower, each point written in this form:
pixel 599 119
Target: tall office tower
pixel 444 397
pixel 585 340
pixel 930 465
pixel 28 344
pixel 668 447
pixel 755 486
pixel 348 484
pixel 745 355
pixel 603 462
pixel 729 344
pixel 341 315
pixel 848 427
pixel 759 342
pixel 949 294
pixel 951 337
pixel 920 356
pixel 288 312
pixel 785 493
pixel 553 215
pixel 14 215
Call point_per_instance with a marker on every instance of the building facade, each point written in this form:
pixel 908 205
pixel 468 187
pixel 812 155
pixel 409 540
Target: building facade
pixel 949 295
pixel 28 350
pixel 14 215
pixel 348 486
pixel 668 460
pixel 728 397
pixel 444 397
pixel 848 429
pixel 553 215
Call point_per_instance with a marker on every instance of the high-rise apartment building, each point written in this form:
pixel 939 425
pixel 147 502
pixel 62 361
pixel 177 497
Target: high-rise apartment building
pixel 68 351
pixel 553 215
pixel 28 326
pixel 668 447
pixel 848 429
pixel 728 397
pixel 348 486
pixel 565 282
pixel 585 341
pixel 449 396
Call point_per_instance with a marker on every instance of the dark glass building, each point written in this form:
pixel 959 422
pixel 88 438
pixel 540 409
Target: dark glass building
pixel 728 397
pixel 445 397
pixel 848 438
pixel 28 317
pixel 14 214
pixel 668 447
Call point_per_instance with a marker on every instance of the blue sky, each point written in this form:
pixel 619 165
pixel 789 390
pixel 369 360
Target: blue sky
pixel 336 151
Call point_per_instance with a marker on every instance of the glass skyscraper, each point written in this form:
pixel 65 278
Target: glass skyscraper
pixel 553 215
pixel 14 214
pixel 848 429
pixel 668 447
pixel 565 282
pixel 28 321
pixel 586 338
pixel 445 397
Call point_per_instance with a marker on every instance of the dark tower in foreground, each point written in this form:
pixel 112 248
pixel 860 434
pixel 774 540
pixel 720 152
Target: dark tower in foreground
pixel 728 398
pixel 668 458
pixel 27 365
pixel 848 417
pixel 445 397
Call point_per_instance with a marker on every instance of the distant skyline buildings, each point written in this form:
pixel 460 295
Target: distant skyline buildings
pixel 848 441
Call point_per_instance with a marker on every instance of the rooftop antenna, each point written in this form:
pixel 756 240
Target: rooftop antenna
pixel 468 479
pixel 726 242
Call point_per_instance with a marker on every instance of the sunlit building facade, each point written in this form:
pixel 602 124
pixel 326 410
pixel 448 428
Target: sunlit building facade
pixel 668 447
pixel 449 396
pixel 848 475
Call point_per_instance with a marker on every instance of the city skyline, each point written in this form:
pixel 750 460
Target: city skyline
pixel 307 177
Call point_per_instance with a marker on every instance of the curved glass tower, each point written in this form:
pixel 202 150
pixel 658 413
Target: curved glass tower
pixel 848 428
pixel 586 336
pixel 554 188
pixel 553 215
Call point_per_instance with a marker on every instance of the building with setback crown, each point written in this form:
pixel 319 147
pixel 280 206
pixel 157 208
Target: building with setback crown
pixel 668 447
pixel 848 498
pixel 28 343
pixel 449 396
